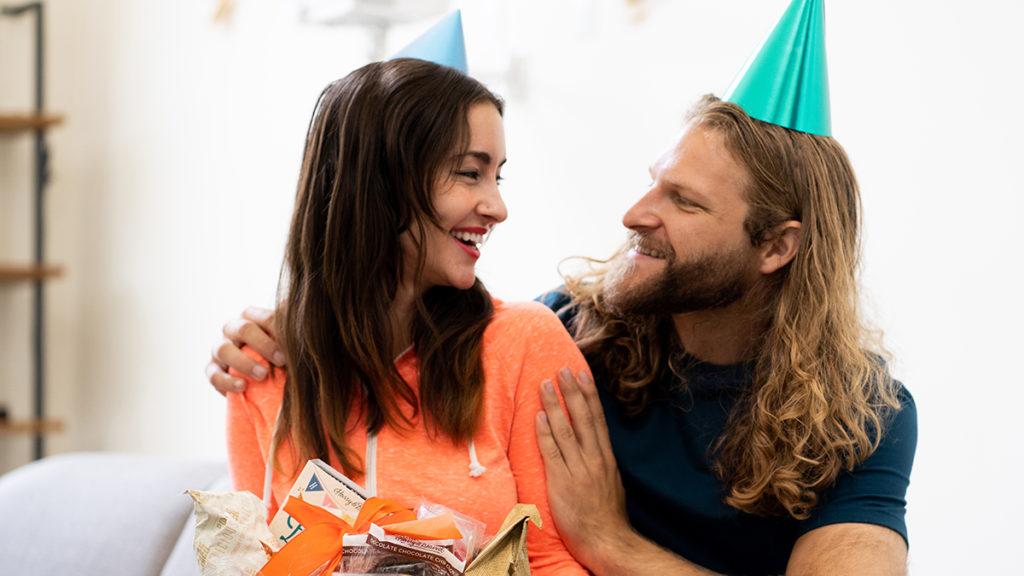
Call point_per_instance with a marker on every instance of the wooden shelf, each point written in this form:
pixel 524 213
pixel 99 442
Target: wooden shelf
pixel 11 123
pixel 47 426
pixel 22 273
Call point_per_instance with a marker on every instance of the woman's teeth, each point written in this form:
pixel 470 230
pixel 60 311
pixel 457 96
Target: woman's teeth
pixel 467 237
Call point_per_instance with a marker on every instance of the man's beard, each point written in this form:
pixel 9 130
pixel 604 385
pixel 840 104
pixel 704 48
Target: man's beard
pixel 707 283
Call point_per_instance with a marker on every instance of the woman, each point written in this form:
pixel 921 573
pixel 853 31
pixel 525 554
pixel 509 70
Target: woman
pixel 402 371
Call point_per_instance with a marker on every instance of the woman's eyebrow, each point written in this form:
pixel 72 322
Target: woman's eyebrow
pixel 479 155
pixel 483 157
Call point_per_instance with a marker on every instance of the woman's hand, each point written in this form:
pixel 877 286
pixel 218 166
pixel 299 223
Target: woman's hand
pixel 584 488
pixel 255 329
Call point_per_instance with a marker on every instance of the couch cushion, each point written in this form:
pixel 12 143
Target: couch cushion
pixel 97 513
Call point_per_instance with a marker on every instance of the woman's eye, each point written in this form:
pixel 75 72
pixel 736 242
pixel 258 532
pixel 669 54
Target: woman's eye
pixel 471 174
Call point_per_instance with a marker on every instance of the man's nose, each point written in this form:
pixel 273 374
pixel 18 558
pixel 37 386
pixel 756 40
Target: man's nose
pixel 643 214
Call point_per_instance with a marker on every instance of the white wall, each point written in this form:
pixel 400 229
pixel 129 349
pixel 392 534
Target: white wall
pixel 174 176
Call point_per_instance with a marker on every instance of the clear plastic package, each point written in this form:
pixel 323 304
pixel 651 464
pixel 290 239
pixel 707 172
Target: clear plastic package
pixel 473 530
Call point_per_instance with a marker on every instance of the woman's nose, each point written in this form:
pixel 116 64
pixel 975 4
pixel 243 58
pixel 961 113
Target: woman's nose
pixel 493 206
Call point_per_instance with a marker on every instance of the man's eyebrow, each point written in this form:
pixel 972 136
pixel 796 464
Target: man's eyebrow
pixel 686 189
pixel 484 157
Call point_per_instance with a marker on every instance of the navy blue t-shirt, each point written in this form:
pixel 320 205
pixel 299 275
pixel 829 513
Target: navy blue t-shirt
pixel 674 498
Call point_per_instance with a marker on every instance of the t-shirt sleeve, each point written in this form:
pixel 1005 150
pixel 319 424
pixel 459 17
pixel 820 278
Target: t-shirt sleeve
pixel 548 349
pixel 248 433
pixel 875 492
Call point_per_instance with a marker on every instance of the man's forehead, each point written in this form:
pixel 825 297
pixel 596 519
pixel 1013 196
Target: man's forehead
pixel 699 160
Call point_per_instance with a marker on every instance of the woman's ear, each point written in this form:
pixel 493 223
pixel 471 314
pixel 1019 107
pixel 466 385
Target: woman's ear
pixel 780 246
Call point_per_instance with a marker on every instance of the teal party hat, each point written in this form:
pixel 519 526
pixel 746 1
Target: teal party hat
pixel 443 44
pixel 786 81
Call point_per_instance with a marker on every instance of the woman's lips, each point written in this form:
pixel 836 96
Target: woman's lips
pixel 472 230
pixel 473 252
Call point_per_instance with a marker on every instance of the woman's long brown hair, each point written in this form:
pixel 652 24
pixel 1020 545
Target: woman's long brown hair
pixel 821 394
pixel 379 140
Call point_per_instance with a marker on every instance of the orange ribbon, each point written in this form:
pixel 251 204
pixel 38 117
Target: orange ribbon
pixel 318 548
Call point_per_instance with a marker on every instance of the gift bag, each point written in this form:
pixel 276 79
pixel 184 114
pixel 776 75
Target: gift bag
pixel 506 553
pixel 328 524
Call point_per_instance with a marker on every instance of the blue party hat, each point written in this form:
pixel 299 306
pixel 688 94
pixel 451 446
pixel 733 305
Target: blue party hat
pixel 443 44
pixel 786 81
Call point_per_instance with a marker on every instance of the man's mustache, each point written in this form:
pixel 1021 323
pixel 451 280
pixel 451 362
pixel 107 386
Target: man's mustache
pixel 647 243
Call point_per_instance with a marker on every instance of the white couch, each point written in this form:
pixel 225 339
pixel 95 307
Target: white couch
pixel 102 513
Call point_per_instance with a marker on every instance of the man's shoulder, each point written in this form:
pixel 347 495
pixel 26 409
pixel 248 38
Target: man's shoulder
pixel 874 492
pixel 899 424
pixel 559 301
pixel 899 432
pixel 906 398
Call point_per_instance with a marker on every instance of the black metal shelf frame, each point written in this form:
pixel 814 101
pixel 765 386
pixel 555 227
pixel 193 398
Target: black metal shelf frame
pixel 41 174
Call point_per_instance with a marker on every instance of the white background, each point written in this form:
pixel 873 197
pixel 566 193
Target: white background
pixel 175 172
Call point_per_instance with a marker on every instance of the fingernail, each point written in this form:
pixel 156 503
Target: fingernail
pixel 549 388
pixel 259 372
pixel 278 358
pixel 239 385
pixel 565 374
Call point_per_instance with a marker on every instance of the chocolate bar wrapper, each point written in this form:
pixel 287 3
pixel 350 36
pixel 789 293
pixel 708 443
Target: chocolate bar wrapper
pixel 321 485
pixel 377 552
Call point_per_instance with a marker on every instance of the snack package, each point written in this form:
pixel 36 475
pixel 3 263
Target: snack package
pixel 377 551
pixel 473 531
pixel 232 538
pixel 350 533
pixel 325 487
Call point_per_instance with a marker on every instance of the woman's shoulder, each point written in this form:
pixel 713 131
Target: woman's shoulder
pixel 523 318
pixel 527 339
pixel 523 325
pixel 268 390
pixel 519 329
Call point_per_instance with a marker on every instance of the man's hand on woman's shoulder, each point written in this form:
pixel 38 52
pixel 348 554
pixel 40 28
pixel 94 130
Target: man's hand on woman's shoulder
pixel 255 329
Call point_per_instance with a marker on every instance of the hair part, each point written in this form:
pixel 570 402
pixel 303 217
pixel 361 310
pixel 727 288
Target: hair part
pixel 821 393
pixel 378 142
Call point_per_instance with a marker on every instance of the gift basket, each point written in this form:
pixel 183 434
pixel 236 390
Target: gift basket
pixel 328 526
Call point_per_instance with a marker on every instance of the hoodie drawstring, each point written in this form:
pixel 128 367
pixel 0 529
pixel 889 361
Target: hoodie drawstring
pixel 476 469
pixel 371 464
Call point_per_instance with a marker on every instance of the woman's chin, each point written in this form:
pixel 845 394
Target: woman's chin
pixel 462 281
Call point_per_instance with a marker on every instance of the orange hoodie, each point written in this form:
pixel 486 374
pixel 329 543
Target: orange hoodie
pixel 523 345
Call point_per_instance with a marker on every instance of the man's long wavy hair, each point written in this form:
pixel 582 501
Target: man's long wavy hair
pixel 821 394
pixel 379 141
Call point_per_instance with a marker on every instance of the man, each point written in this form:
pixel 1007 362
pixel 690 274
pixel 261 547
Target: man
pixel 755 428
pixel 732 373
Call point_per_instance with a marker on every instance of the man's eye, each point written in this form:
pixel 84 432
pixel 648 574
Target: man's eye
pixel 684 203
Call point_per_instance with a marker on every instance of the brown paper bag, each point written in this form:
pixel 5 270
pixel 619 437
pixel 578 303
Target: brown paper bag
pixel 506 553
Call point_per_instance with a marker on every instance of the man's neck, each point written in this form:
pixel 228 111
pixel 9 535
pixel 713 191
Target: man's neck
pixel 721 336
